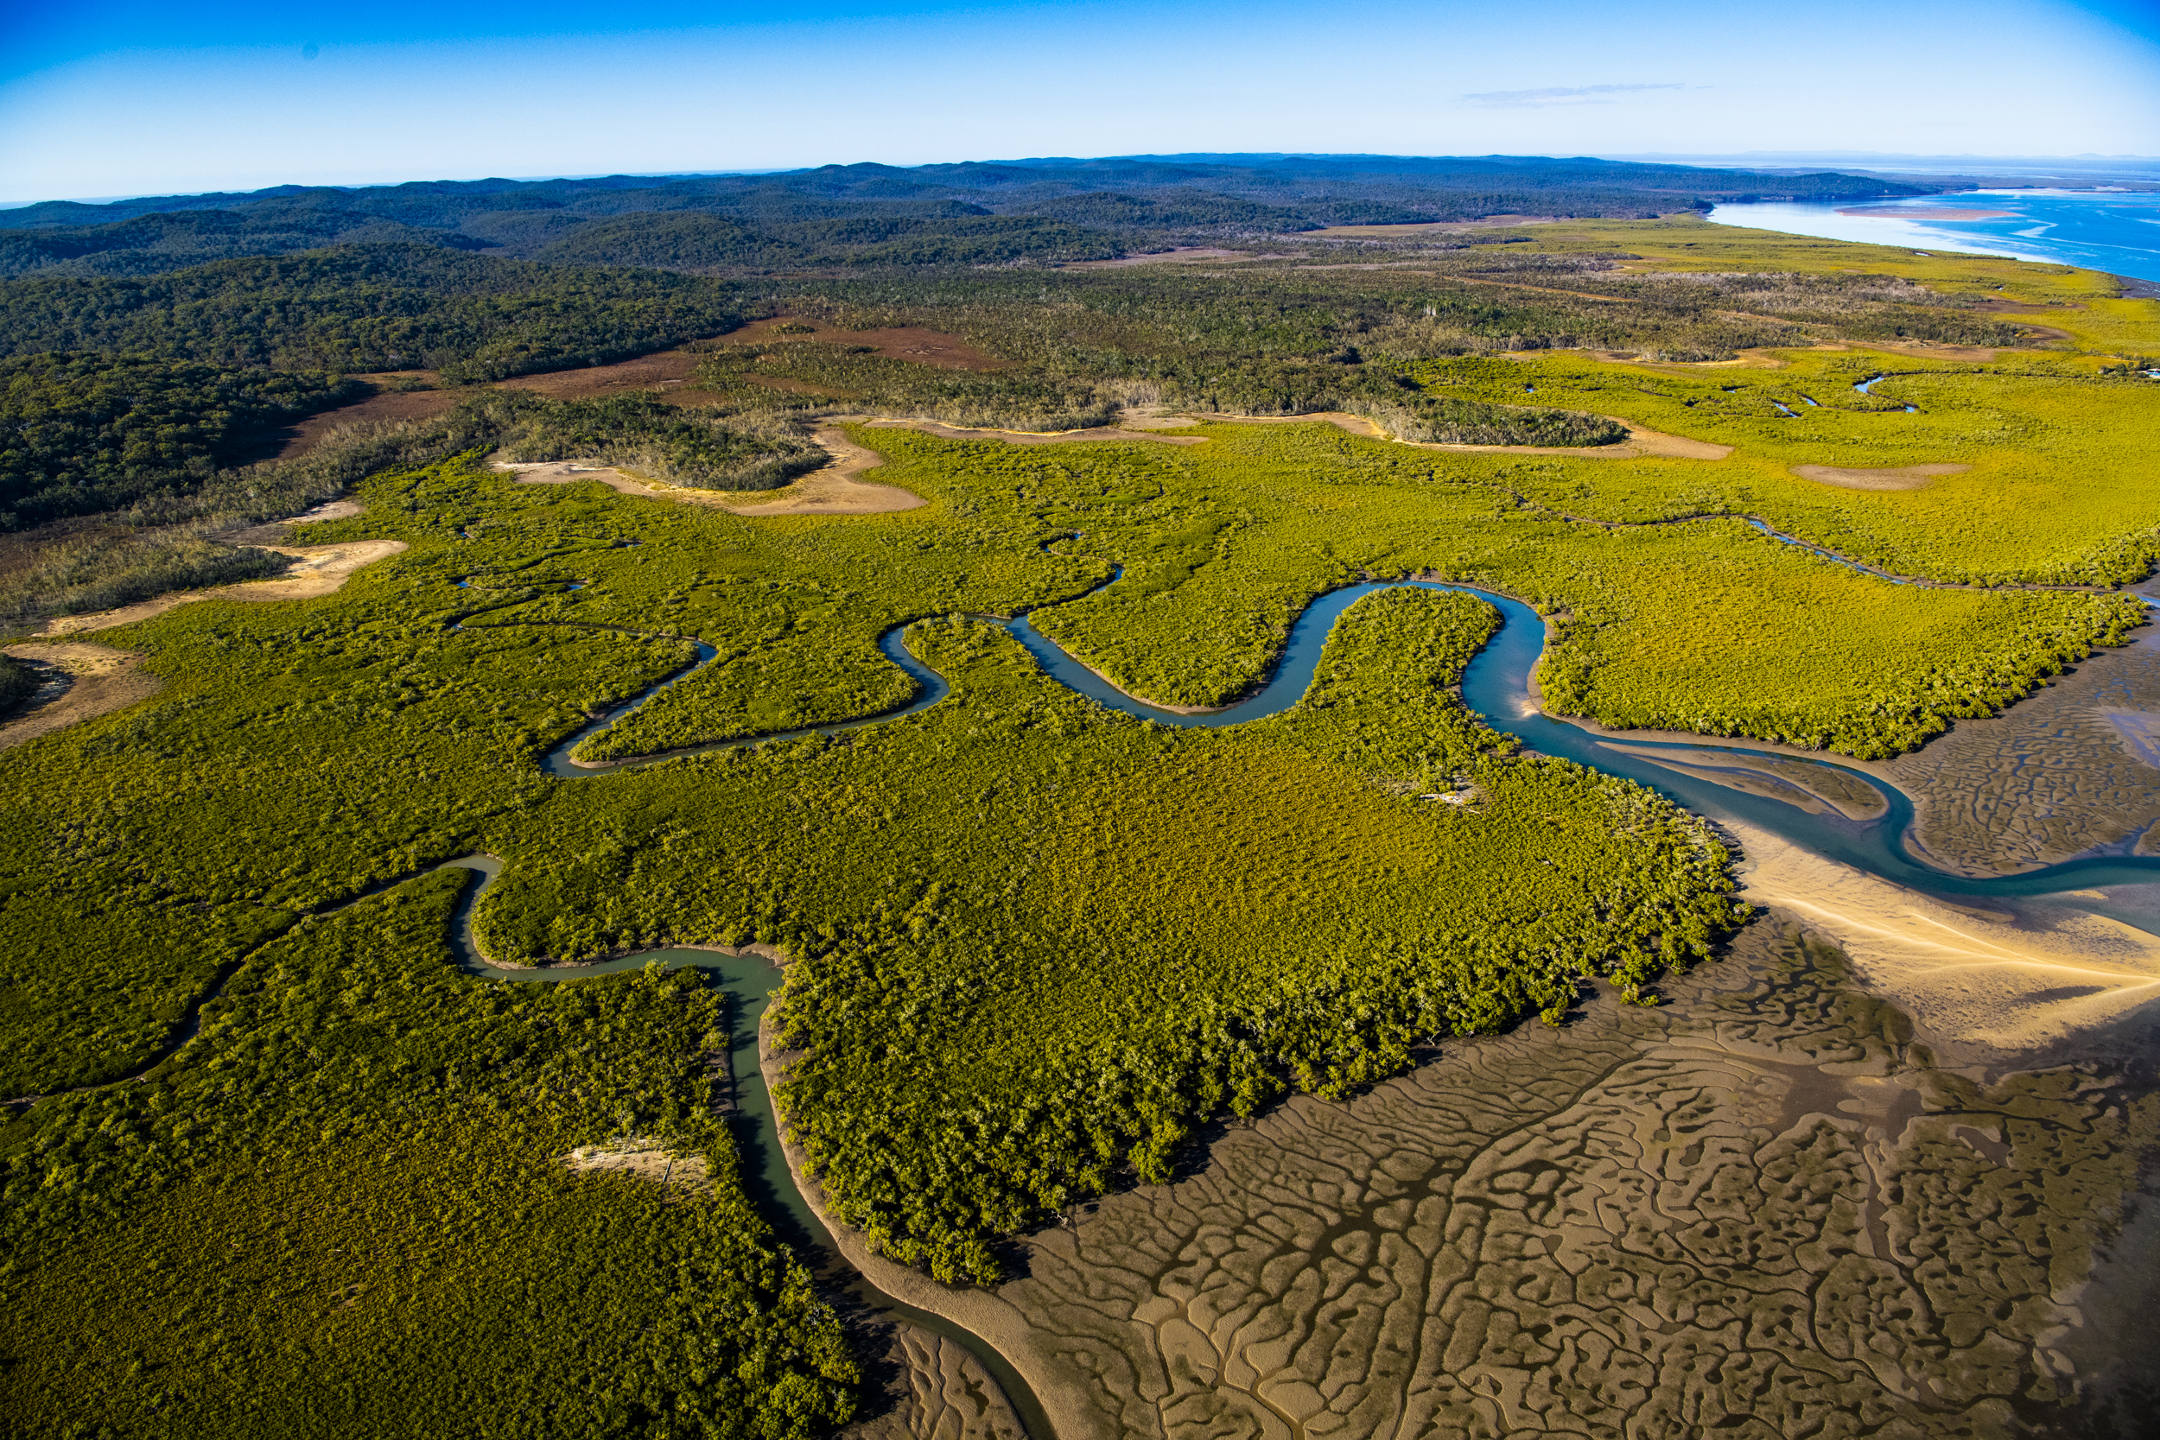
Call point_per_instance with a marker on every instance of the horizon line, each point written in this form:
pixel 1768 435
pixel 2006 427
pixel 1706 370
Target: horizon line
pixel 1678 159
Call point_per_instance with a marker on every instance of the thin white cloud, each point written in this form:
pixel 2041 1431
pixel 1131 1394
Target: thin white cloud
pixel 1560 95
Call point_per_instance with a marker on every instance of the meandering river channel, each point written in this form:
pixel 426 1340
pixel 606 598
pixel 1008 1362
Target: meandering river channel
pixel 1497 685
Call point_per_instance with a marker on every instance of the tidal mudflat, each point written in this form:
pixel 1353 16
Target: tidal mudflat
pixel 1768 1205
pixel 2074 770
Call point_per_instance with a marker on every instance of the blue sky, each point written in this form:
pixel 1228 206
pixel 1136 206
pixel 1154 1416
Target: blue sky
pixel 112 97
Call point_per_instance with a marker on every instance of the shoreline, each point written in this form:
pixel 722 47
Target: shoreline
pixel 996 1323
pixel 2000 978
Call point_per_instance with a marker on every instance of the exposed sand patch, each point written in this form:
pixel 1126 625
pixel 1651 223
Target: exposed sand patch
pixel 644 1158
pixel 81 682
pixel 1639 443
pixel 1341 420
pixel 576 472
pixel 1815 788
pixel 1183 254
pixel 1745 360
pixel 2009 982
pixel 1904 477
pixel 274 531
pixel 833 490
pixel 320 570
pixel 1926 212
pixel 1758 358
pixel 1929 350
pixel 1038 437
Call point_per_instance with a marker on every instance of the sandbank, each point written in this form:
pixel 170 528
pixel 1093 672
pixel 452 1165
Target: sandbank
pixel 1809 786
pixel 319 570
pixel 1926 212
pixel 1903 477
pixel 2005 980
pixel 84 682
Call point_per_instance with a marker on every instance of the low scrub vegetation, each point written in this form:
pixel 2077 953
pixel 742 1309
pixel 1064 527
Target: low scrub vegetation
pixel 344 1205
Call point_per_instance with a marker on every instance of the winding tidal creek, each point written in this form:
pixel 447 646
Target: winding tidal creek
pixel 1497 685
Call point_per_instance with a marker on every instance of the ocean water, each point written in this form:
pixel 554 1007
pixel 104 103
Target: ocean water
pixel 2111 230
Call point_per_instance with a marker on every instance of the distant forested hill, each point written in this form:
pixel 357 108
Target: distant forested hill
pixel 846 215
pixel 374 307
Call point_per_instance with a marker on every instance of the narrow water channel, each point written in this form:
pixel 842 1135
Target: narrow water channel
pixel 750 981
pixel 1496 685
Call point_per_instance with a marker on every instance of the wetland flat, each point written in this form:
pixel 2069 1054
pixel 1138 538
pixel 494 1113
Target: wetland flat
pixel 1533 837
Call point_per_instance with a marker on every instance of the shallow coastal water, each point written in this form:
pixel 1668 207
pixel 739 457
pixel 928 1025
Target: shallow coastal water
pixel 2115 231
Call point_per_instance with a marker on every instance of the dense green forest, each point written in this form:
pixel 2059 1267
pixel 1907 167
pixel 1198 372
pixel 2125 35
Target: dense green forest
pixel 1071 349
pixel 371 307
pixel 85 433
pixel 173 528
pixel 1043 210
